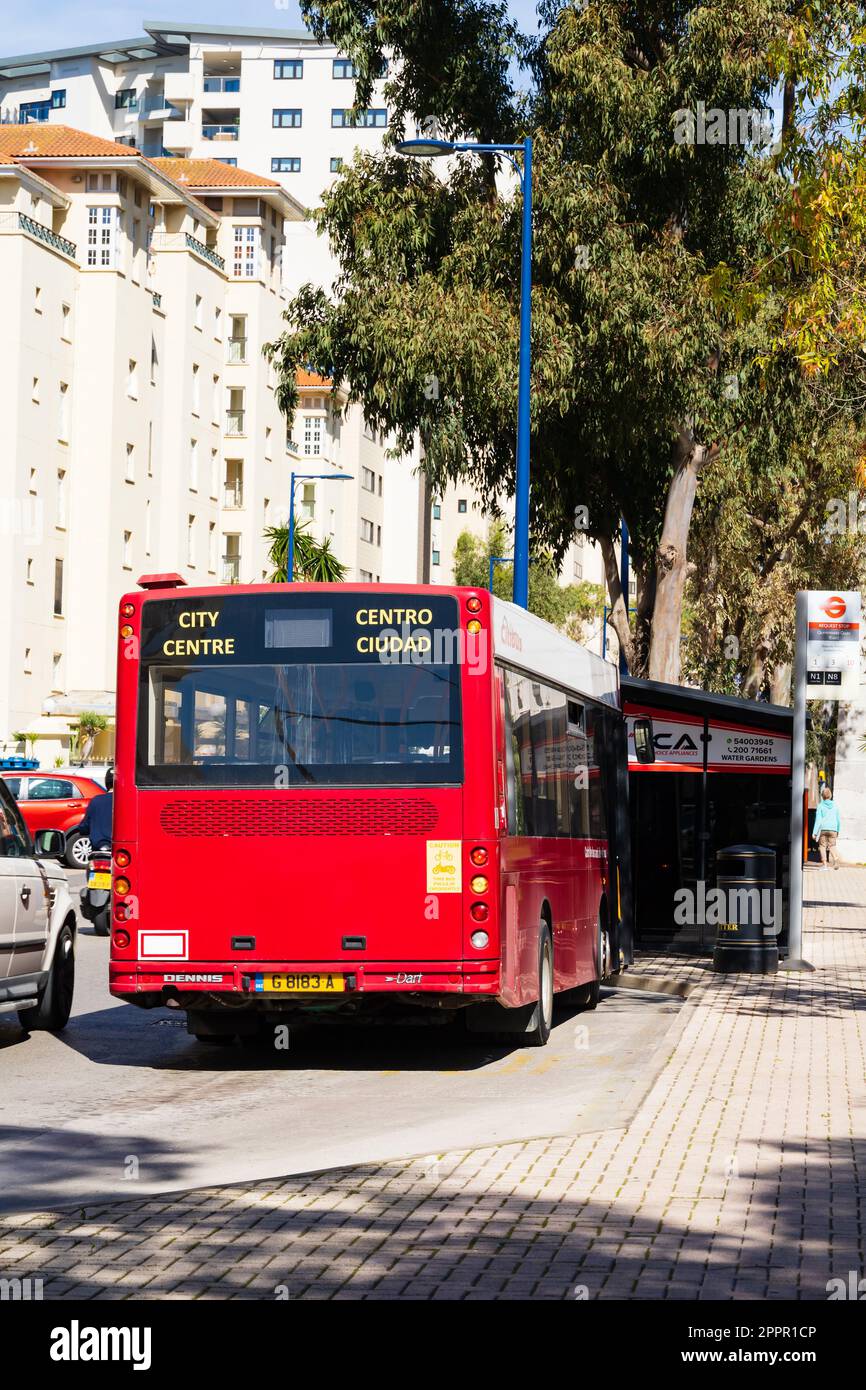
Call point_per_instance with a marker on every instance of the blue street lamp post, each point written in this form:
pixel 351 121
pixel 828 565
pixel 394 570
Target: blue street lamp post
pixel 431 149
pixel 494 561
pixel 304 478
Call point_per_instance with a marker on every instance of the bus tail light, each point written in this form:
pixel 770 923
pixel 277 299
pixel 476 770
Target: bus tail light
pixel 473 626
pixel 479 884
pixel 121 911
pixel 121 886
pixel 122 858
pixel 479 912
pixel 478 856
pixel 474 605
pixel 127 610
pixel 479 940
pixel 121 939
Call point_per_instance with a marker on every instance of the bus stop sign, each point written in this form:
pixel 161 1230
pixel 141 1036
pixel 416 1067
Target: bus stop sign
pixel 832 645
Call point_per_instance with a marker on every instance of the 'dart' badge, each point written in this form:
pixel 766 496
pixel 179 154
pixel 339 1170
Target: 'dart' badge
pixel 443 866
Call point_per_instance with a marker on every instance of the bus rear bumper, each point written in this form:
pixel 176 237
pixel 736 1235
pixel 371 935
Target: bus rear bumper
pixel 239 981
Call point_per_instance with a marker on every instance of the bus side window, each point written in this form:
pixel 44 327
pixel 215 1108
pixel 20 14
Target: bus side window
pixel 513 771
pixel 578 771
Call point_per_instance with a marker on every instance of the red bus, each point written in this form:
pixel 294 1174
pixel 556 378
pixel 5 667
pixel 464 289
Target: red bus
pixel 337 801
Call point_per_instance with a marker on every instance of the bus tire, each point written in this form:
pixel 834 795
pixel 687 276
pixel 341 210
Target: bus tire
pixel 541 1019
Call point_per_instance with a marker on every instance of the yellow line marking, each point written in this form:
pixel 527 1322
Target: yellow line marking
pixel 545 1065
pixel 514 1065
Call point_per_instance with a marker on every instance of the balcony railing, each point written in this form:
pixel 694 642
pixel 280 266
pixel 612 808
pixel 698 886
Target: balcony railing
pixel 231 569
pixel 233 499
pixel 205 252
pixel 221 132
pixel 222 84
pixel 58 243
pixel 237 350
pixel 235 421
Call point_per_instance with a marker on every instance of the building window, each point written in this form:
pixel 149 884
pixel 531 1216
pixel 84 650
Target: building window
pixel 63 413
pixel 34 390
pixel 61 498
pixel 366 576
pixel 154 361
pixel 214 473
pixel 347 119
pixel 367 530
pixel 58 588
pixel 238 340
pixel 378 535
pixel 218 322
pixel 193 465
pixel 102 224
pixel 197 312
pixel 435 557
pixel 212 547
pixel 336 165
pixel 287 118
pixel 578 570
pixel 57 671
pixel 126 99
pixel 343 69
pixel 37 295
pixel 368 480
pixel 190 541
pixel 308 501
pixel 233 496
pixel 127 550
pixel 28 573
pixel 147 527
pixel 130 463
pixel 288 69
pixel 66 323
pixel 196 390
pixel 437 511
pixel 231 559
pixel 461 505
pixel 224 159
pixel 286 166
pixel 58 99
pixel 313 434
pixel 246 252
pixel 235 412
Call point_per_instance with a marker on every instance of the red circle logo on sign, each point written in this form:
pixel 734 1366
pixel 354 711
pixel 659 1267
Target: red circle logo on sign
pixel 835 607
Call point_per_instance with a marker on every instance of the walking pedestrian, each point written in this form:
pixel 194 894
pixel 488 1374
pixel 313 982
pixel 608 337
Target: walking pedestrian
pixel 825 831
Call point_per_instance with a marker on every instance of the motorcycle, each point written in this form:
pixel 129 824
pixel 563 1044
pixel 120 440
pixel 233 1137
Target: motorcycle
pixel 96 894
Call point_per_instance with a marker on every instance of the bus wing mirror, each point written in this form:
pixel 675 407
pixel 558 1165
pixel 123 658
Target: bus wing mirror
pixel 644 747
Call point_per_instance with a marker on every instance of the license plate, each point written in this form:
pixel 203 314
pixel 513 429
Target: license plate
pixel 99 881
pixel 312 983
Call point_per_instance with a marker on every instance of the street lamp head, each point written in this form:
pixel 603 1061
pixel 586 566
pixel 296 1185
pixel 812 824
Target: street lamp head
pixel 425 149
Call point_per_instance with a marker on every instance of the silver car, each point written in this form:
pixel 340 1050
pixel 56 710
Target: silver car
pixel 37 923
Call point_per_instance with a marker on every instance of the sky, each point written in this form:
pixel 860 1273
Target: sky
pixel 64 23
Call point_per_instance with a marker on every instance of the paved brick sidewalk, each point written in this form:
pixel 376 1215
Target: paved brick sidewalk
pixel 741 1176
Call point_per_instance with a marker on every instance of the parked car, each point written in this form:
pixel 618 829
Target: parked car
pixel 56 800
pixel 37 923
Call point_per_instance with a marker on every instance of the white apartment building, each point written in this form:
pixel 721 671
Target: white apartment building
pixel 142 430
pixel 273 100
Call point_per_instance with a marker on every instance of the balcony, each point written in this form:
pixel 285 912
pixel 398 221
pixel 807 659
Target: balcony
pixel 237 350
pixel 233 498
pixel 205 252
pixel 179 86
pixel 231 569
pixel 215 85
pixel 20 222
pixel 235 421
pixel 225 130
pixel 156 107
pixel 178 135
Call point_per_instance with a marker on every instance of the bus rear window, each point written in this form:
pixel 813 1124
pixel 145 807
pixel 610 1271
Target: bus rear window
pixel 306 704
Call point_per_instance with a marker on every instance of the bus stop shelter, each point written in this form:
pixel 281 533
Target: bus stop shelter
pixel 722 776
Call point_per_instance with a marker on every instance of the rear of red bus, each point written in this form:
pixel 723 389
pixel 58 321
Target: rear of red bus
pixel 306 804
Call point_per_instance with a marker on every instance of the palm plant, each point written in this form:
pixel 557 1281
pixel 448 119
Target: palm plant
pixel 315 561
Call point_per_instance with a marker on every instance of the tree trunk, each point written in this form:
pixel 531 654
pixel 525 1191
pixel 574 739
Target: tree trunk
pixel 618 616
pixel 754 678
pixel 672 558
pixel 780 683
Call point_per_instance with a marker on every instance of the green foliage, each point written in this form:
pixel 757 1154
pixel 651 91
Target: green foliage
pixel 315 561
pixel 90 723
pixel 566 606
pixel 649 323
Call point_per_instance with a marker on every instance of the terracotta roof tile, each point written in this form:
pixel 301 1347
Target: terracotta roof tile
pixel 210 173
pixel 311 379
pixel 57 141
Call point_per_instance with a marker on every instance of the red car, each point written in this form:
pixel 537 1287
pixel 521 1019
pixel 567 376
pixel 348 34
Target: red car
pixel 55 801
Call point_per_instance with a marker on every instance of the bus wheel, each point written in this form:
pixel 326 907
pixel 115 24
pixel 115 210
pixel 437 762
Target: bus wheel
pixel 592 992
pixel 541 1019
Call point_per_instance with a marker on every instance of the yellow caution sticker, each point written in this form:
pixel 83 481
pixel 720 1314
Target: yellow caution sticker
pixel 443 866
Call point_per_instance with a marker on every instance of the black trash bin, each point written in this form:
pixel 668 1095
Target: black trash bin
pixel 748 939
